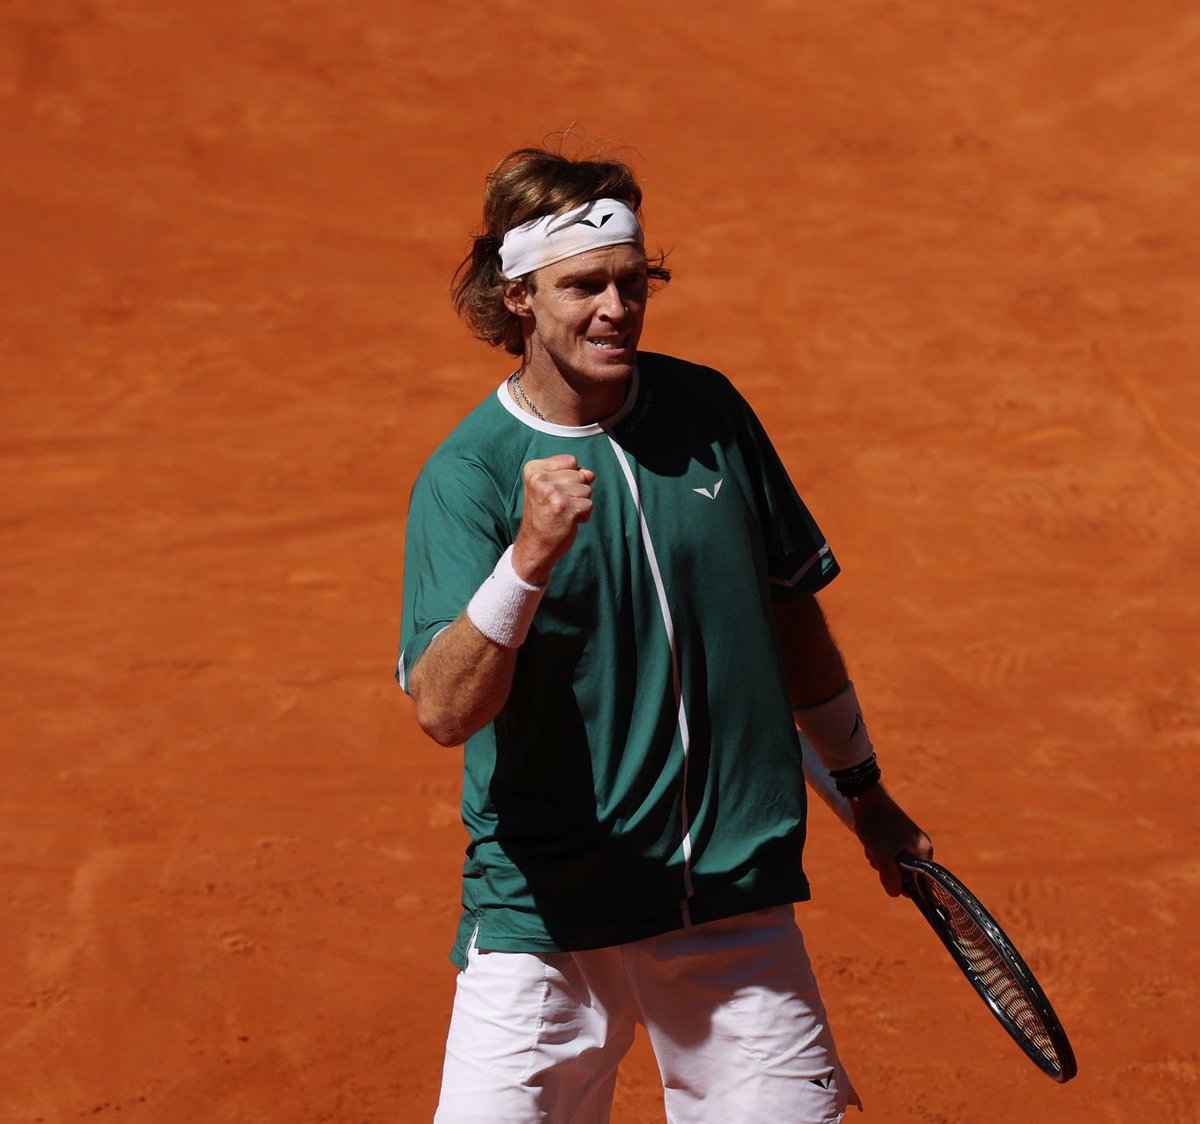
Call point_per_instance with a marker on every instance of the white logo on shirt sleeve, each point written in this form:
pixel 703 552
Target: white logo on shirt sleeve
pixel 713 494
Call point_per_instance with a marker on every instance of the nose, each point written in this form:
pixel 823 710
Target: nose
pixel 612 304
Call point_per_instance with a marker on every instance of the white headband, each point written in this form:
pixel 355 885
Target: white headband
pixel 550 239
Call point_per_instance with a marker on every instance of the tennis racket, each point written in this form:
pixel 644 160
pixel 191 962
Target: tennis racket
pixel 990 961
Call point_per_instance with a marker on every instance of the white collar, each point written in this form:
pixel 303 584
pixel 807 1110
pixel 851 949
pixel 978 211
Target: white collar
pixel 590 430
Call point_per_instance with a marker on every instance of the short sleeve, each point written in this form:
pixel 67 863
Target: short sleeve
pixel 799 559
pixel 457 529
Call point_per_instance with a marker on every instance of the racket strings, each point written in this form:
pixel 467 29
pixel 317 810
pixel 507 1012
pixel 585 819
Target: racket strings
pixel 992 970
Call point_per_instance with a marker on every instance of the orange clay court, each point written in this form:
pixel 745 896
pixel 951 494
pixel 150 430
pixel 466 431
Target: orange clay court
pixel 947 250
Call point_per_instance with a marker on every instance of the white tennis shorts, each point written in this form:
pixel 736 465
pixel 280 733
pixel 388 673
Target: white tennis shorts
pixel 731 1008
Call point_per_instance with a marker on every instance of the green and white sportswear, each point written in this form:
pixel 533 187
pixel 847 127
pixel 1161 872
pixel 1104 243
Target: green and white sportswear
pixel 644 773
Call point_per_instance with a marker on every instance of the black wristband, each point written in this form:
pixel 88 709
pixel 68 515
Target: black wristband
pixel 857 779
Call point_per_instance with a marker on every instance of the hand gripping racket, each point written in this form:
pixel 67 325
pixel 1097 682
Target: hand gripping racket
pixel 979 946
pixel 990 961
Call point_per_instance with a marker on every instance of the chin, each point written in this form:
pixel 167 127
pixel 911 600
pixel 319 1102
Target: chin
pixel 607 367
pixel 607 374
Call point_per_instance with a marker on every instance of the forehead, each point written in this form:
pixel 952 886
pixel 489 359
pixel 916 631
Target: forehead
pixel 606 261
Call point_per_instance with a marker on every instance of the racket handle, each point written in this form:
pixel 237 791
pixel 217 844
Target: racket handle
pixel 823 784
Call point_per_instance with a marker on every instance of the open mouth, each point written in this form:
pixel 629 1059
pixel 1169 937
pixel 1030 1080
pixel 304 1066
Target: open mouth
pixel 607 343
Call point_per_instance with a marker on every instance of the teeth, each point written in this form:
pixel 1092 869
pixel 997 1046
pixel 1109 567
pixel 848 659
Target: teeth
pixel 605 343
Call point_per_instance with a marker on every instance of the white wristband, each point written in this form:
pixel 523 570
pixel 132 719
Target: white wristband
pixel 836 730
pixel 503 607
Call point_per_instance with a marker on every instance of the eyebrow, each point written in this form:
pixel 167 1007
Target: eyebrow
pixel 600 275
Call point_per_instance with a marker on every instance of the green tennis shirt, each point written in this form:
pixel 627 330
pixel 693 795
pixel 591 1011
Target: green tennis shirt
pixel 644 773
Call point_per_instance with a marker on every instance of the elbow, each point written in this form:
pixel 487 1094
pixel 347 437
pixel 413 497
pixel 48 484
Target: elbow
pixel 448 715
pixel 436 719
pixel 444 724
pixel 446 736
pixel 440 726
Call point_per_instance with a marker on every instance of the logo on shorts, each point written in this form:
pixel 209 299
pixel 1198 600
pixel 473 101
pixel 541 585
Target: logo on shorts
pixel 713 494
pixel 825 1082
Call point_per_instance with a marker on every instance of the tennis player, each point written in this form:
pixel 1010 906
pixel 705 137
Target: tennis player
pixel 609 597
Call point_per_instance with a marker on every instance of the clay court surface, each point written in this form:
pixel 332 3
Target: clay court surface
pixel 949 252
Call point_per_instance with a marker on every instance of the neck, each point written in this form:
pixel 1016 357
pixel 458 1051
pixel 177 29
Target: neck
pixel 564 402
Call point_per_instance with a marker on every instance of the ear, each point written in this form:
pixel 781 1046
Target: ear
pixel 516 298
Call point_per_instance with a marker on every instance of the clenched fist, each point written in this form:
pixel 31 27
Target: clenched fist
pixel 558 497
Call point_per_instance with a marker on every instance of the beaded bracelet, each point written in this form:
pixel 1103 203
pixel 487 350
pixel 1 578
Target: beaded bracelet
pixel 857 779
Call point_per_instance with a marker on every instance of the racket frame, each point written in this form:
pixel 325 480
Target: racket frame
pixel 1021 973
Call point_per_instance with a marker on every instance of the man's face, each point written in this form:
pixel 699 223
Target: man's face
pixel 587 314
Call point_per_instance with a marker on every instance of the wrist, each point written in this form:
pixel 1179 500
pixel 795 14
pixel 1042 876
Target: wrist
pixel 870 800
pixel 504 606
pixel 859 779
pixel 531 564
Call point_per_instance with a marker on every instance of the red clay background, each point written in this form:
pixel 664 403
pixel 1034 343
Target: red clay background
pixel 948 250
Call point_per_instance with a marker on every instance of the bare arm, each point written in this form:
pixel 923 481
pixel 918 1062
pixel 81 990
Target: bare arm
pixel 815 673
pixel 460 683
pixel 463 679
pixel 814 667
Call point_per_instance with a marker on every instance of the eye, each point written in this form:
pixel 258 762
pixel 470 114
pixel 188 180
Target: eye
pixel 633 287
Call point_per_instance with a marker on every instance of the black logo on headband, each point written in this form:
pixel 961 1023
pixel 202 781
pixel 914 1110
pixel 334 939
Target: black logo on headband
pixel 597 225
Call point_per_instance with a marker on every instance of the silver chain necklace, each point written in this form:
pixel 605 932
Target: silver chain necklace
pixel 514 381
